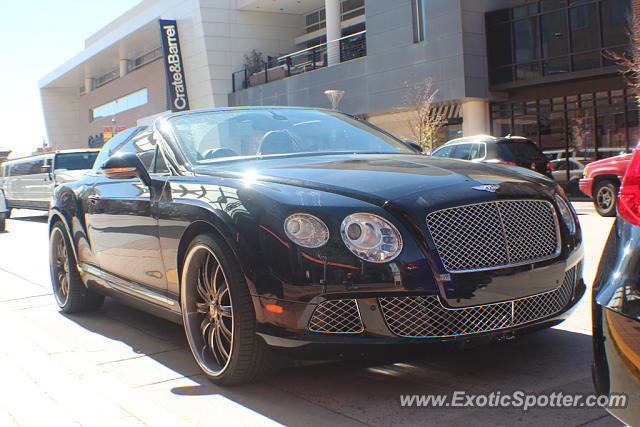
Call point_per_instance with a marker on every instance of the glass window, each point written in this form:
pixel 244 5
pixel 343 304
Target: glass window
pixel 586 61
pixel 526 10
pixel 614 22
pixel 585 34
pixel 528 71
pixel 477 151
pixel 547 5
pixel 555 66
pixel 462 151
pixel 443 151
pixel 499 45
pixel 525 34
pixel 119 105
pixel 520 151
pixel 75 161
pixel 553 32
pixel 27 167
pixel 241 134
pixel 497 16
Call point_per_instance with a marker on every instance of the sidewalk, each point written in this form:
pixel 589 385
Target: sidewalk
pixel 46 383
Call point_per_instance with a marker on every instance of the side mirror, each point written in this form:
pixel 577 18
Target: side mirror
pixel 413 145
pixel 125 166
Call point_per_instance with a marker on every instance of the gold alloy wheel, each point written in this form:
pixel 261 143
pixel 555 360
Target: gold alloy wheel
pixel 207 310
pixel 60 267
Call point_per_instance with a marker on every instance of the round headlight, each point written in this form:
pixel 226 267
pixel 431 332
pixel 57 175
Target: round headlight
pixel 370 237
pixel 566 214
pixel 306 230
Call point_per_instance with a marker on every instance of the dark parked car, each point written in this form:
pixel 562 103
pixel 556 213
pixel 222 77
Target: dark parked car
pixel 616 303
pixel 508 150
pixel 290 228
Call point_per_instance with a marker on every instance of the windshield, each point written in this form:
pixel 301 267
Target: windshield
pixel 76 161
pixel 239 134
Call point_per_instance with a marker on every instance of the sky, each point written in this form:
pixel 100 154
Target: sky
pixel 36 37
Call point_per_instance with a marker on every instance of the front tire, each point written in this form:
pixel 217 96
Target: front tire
pixel 217 314
pixel 71 294
pixel 604 198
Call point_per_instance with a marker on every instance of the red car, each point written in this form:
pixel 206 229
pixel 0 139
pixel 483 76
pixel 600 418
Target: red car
pixel 602 180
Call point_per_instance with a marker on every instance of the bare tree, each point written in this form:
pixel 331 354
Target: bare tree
pixel 629 62
pixel 425 119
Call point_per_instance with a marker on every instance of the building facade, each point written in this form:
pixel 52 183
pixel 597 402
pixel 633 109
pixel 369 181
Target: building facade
pixel 541 69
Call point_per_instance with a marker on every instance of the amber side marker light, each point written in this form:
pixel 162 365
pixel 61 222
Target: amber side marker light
pixel 629 196
pixel 274 308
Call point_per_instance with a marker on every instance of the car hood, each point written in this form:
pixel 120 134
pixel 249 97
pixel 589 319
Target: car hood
pixel 609 160
pixel 384 178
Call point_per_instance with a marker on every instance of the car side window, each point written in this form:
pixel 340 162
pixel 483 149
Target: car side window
pixel 477 151
pixel 443 152
pixel 462 151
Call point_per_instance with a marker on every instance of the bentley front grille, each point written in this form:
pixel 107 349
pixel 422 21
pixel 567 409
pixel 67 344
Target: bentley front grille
pixel 340 316
pixel 495 234
pixel 427 317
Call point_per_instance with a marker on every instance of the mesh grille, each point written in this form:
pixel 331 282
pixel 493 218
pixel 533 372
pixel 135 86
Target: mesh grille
pixel 425 316
pixel 339 316
pixel 494 234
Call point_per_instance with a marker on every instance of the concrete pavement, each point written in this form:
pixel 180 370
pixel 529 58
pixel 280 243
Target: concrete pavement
pixel 123 367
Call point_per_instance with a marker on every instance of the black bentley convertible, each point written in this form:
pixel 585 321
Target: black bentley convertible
pixel 262 228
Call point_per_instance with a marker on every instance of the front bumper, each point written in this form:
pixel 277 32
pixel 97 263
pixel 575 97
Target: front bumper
pixel 586 186
pixel 409 317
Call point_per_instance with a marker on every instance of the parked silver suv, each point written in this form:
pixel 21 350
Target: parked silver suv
pixel 28 182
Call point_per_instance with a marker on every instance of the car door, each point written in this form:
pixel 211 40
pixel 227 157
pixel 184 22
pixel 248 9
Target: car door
pixel 27 178
pixel 123 229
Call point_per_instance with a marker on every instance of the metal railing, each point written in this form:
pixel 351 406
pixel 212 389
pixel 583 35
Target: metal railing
pixel 351 47
pixel 145 58
pixel 106 78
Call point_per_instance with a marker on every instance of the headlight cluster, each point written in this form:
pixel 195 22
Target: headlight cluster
pixel 368 236
pixel 566 214
pixel 371 237
pixel 306 230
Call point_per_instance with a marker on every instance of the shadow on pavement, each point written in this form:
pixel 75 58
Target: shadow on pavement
pixel 368 391
pixel 32 218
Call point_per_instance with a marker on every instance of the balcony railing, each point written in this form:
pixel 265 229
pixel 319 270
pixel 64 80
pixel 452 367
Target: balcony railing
pixel 106 78
pixel 309 59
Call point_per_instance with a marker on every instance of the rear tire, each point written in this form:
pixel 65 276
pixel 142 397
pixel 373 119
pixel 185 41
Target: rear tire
pixel 2 224
pixel 605 197
pixel 218 315
pixel 71 294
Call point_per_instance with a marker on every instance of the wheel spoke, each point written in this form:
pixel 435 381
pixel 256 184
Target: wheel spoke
pixel 201 289
pixel 215 280
pixel 201 308
pixel 219 343
pixel 225 310
pixel 212 345
pixel 206 323
pixel 64 286
pixel 225 331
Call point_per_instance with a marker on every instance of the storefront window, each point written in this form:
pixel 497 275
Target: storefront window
pixel 590 126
